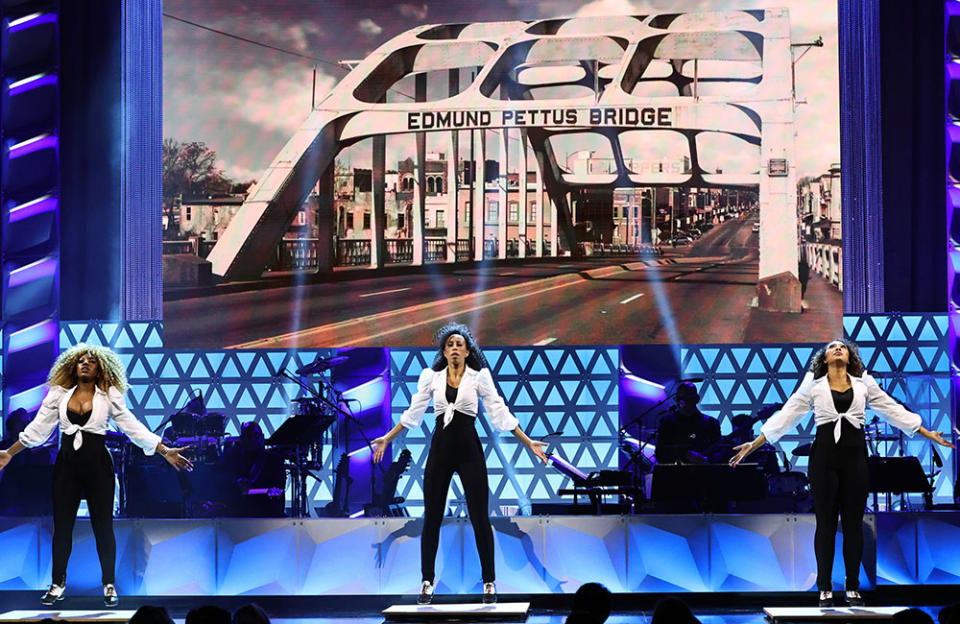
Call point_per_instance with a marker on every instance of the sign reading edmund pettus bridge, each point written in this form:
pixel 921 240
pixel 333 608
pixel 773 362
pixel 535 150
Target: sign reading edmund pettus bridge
pixel 645 117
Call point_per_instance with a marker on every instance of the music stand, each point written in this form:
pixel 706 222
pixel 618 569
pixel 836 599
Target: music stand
pixel 298 431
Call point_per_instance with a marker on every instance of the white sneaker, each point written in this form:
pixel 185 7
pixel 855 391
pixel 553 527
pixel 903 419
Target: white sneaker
pixel 110 598
pixel 426 593
pixel 53 594
pixel 489 593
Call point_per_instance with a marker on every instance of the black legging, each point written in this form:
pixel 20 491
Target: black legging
pixel 456 449
pixel 838 482
pixel 86 473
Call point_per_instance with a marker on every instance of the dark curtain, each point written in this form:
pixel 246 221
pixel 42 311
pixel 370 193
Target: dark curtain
pixel 90 114
pixel 914 160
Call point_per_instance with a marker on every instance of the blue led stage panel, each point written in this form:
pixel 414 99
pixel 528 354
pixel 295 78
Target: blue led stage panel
pixel 242 567
pixel 399 561
pixel 25 552
pixel 582 549
pixel 668 554
pixel 518 556
pixel 896 549
pixel 752 553
pixel 179 557
pixel 340 557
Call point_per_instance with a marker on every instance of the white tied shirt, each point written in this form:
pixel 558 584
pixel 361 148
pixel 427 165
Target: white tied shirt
pixel 815 394
pixel 474 384
pixel 106 406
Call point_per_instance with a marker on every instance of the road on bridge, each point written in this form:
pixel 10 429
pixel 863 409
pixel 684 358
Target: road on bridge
pixel 703 293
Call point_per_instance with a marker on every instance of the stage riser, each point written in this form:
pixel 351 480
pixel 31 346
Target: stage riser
pixel 768 553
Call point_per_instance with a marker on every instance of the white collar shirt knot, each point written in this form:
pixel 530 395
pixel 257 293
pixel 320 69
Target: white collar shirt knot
pixel 814 394
pixel 107 405
pixel 475 386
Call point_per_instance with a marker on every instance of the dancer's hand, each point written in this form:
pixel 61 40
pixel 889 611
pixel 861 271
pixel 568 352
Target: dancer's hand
pixel 536 447
pixel 379 448
pixel 5 458
pixel 178 461
pixel 936 436
pixel 742 451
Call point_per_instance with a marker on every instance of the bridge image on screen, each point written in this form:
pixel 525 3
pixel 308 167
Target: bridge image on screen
pixel 634 178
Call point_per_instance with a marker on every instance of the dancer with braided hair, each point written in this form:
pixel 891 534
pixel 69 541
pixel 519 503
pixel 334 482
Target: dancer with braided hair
pixel 458 378
pixel 86 388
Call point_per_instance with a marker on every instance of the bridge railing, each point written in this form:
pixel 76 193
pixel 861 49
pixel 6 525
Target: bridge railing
pixel 435 250
pixel 826 259
pixel 297 253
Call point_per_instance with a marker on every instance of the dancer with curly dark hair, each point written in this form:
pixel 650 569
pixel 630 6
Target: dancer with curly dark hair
pixel 86 387
pixel 458 378
pixel 838 390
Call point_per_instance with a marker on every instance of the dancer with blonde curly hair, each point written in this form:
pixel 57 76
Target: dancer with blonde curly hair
pixel 86 388
pixel 458 379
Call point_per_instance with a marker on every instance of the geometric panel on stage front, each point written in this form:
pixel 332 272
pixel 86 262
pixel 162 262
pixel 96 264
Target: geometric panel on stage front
pixel 242 567
pixel 752 553
pixel 399 555
pixel 518 556
pixel 24 552
pixel 921 548
pixel 535 555
pixel 178 557
pixel 938 550
pixel 668 553
pixel 583 549
pixel 342 557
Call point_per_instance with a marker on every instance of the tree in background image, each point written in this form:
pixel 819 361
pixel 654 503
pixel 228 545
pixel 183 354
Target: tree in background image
pixel 190 170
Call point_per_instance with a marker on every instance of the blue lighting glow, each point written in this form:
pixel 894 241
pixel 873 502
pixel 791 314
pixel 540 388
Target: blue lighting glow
pixel 37 143
pixel 32 208
pixel 29 399
pixel 31 21
pixel 639 387
pixel 368 394
pixel 39 333
pixel 33 82
pixel 44 268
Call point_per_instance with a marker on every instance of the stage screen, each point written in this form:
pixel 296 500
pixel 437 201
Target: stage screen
pixel 357 173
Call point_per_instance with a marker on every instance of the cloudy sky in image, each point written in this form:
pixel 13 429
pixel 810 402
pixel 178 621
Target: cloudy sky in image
pixel 245 101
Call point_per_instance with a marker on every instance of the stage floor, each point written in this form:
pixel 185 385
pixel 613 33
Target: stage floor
pixel 706 616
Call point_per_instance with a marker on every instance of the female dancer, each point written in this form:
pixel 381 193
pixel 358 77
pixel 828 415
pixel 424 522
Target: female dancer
pixel 86 391
pixel 838 390
pixel 459 377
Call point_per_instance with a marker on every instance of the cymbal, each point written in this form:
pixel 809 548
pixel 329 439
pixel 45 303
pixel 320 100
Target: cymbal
pixel 321 364
pixel 803 450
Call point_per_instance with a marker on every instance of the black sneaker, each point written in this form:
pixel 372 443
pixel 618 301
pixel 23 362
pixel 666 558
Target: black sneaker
pixel 854 599
pixel 426 593
pixel 826 599
pixel 53 594
pixel 110 598
pixel 489 593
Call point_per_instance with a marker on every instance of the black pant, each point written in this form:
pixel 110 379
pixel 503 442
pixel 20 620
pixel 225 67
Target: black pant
pixel 456 449
pixel 85 473
pixel 838 482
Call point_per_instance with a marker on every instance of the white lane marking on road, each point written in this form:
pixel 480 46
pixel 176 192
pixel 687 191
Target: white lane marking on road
pixel 629 299
pixel 544 342
pixel 385 292
pixel 508 273
pixel 564 266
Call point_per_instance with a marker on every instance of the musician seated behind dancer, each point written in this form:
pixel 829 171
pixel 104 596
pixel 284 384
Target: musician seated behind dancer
pixel 259 477
pixel 838 389
pixel 457 381
pixel 686 434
